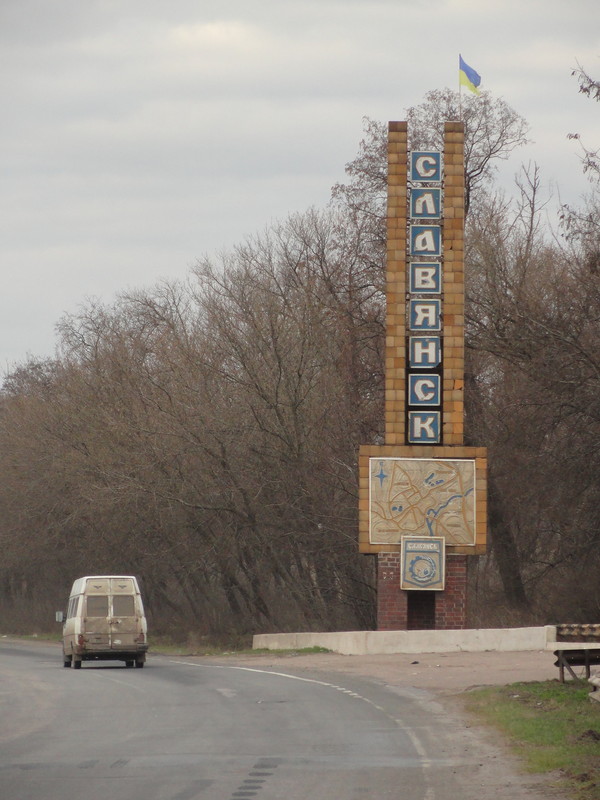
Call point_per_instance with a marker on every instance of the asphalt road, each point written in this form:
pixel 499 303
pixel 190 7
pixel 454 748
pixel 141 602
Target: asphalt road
pixel 187 729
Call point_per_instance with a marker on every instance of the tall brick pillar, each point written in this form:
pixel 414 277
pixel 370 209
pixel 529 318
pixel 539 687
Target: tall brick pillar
pixel 451 604
pixel 400 510
pixel 398 609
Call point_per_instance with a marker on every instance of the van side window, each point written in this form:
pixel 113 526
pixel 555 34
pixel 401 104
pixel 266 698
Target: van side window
pixel 123 605
pixel 97 605
pixel 72 610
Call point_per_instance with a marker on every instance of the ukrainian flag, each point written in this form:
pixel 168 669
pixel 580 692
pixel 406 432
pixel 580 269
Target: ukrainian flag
pixel 467 76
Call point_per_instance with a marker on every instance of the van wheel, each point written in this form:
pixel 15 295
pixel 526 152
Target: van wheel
pixel 76 663
pixel 129 663
pixel 67 661
pixel 139 664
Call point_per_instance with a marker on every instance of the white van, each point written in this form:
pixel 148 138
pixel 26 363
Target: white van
pixel 105 621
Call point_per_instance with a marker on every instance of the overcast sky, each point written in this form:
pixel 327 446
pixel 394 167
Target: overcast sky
pixel 139 135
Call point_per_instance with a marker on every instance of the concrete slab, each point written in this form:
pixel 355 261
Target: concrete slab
pixel 424 641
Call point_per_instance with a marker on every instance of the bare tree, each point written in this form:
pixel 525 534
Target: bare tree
pixel 493 130
pixel 581 224
pixel 534 310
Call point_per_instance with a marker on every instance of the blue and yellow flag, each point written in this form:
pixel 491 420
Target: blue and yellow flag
pixel 467 76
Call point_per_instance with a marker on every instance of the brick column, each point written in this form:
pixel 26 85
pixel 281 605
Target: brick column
pixel 395 323
pixel 392 602
pixel 454 283
pixel 451 604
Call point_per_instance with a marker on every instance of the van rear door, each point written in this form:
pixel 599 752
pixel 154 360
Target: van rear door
pixel 97 623
pixel 125 624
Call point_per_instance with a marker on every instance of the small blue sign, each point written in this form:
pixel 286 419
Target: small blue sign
pixel 425 240
pixel 426 166
pixel 426 203
pixel 424 352
pixel 423 562
pixel 424 390
pixel 425 278
pixel 425 315
pixel 424 427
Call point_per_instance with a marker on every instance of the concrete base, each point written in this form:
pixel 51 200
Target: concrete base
pixel 387 642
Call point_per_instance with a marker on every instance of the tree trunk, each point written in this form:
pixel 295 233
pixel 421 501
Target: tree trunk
pixel 505 549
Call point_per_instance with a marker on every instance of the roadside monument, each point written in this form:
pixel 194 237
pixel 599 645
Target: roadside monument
pixel 422 500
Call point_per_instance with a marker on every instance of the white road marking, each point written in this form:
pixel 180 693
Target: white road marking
pixel 415 741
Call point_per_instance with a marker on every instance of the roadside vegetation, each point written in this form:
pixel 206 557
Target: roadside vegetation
pixel 203 435
pixel 240 646
pixel 553 727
